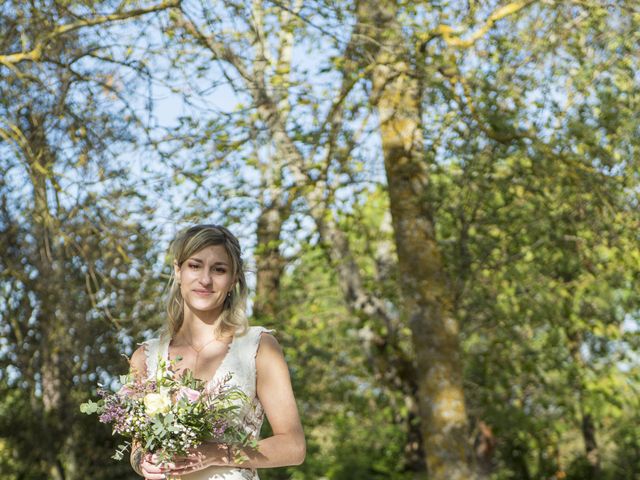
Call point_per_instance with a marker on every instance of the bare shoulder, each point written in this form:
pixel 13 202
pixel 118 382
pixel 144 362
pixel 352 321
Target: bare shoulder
pixel 269 354
pixel 268 344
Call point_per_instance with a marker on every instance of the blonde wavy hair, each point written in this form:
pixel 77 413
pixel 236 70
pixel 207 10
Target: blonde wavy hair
pixel 189 241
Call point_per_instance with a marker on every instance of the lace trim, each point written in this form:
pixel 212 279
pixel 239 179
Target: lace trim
pixel 255 343
pixel 255 416
pixel 151 351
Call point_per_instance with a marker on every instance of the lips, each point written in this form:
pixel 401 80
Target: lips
pixel 203 292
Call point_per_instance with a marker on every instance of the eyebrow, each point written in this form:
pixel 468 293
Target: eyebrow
pixel 196 259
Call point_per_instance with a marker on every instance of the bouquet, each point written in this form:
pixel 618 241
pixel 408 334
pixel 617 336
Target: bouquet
pixel 170 415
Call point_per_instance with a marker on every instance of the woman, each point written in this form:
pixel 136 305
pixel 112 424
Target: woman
pixel 208 328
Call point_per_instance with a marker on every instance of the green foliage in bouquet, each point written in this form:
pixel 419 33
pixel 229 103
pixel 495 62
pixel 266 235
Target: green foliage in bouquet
pixel 169 415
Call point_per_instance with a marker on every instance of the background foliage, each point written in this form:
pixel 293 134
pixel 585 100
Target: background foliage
pixel 121 122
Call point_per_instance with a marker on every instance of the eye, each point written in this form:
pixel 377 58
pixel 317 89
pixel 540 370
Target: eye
pixel 194 266
pixel 220 270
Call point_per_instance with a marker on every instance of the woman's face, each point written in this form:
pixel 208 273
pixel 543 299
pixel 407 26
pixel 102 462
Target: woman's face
pixel 205 279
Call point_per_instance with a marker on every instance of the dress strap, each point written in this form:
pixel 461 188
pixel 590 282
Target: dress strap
pixel 252 344
pixel 155 348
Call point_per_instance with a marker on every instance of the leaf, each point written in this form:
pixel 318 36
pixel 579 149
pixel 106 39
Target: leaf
pixel 89 407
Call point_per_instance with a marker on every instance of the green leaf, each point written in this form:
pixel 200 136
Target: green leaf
pixel 89 407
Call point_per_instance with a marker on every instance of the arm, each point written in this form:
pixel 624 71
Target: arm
pixel 287 444
pixel 273 387
pixel 137 453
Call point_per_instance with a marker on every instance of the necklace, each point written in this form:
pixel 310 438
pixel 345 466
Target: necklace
pixel 198 350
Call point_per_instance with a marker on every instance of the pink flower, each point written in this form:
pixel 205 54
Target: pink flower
pixel 126 391
pixel 189 393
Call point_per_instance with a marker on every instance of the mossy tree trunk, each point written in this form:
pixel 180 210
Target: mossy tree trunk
pixel 427 297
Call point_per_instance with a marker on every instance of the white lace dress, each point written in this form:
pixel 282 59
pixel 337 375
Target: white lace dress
pixel 240 361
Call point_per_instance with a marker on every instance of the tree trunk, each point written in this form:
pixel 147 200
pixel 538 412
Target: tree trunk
pixel 587 427
pixel 590 444
pixel 52 347
pixel 427 297
pixel 269 263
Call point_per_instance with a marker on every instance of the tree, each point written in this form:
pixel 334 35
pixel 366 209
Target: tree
pixel 60 130
pixel 529 133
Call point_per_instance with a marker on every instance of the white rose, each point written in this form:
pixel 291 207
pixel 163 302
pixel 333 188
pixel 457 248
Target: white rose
pixel 155 403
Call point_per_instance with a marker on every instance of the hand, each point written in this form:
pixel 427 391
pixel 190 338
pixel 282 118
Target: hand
pixel 205 455
pixel 152 469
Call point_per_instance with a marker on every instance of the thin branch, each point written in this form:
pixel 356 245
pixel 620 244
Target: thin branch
pixel 220 50
pixel 453 36
pixel 297 14
pixel 36 53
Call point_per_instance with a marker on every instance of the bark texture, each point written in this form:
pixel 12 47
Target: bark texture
pixel 53 349
pixel 427 298
pixel 428 301
pixel 269 262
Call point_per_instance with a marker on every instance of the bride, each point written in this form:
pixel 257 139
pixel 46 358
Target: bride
pixel 208 329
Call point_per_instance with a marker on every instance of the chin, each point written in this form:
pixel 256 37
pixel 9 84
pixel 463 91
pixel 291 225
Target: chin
pixel 198 304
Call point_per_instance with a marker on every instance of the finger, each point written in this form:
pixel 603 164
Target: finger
pixel 148 463
pixel 182 467
pixel 183 471
pixel 157 475
pixel 180 459
pixel 150 468
pixel 186 469
pixel 158 462
pixel 154 471
pixel 154 476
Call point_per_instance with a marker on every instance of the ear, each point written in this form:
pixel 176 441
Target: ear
pixel 176 270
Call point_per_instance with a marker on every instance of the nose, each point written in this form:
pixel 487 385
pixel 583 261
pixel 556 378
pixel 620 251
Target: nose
pixel 205 278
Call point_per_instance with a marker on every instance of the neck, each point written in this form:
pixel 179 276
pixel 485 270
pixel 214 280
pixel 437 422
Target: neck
pixel 200 327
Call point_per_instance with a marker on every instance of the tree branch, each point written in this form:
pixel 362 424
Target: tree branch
pixel 452 36
pixel 36 53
